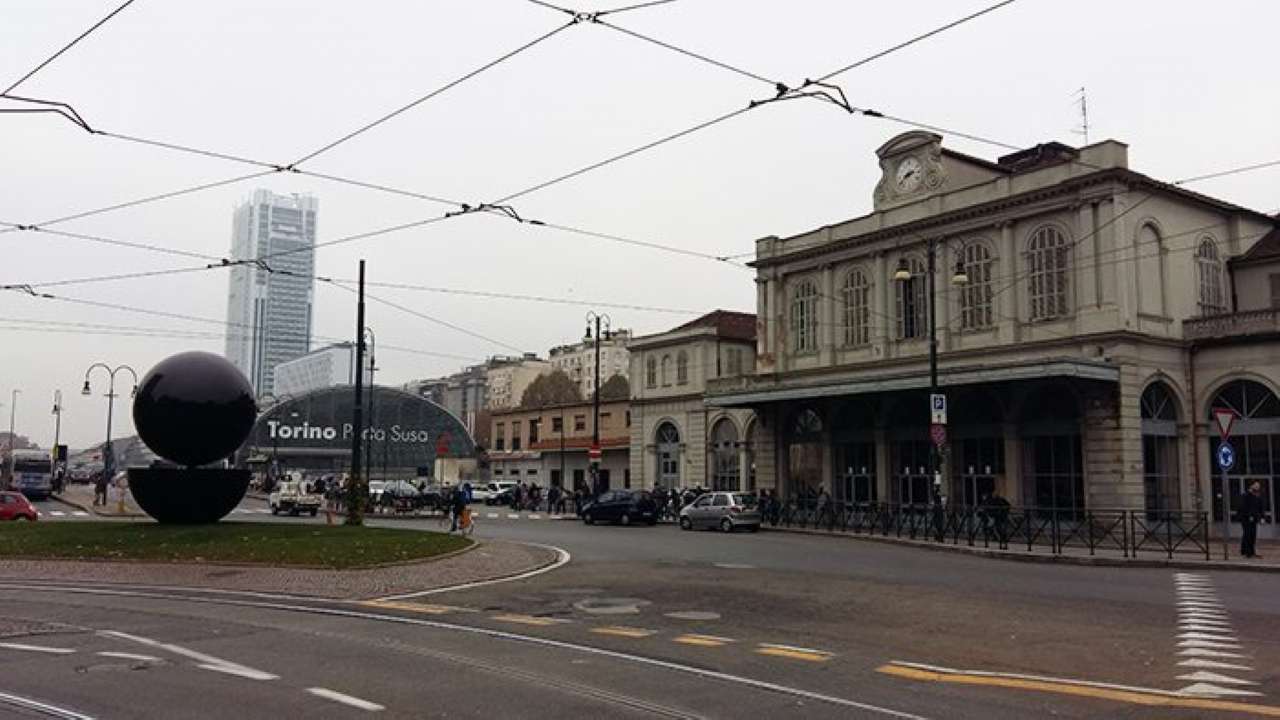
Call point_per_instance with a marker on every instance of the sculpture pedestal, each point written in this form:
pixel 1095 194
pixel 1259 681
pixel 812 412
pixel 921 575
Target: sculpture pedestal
pixel 188 496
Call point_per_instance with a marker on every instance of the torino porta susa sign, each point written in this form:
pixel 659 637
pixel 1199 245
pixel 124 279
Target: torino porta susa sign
pixel 401 429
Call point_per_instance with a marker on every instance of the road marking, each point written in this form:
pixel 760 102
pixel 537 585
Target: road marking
pixel 623 631
pixel 535 517
pixel 129 656
pixel 491 515
pixel 37 648
pixel 512 516
pixel 338 697
pixel 1210 644
pixel 1220 635
pixel 43 708
pixel 208 662
pixel 1213 677
pixel 58 513
pixel 562 558
pixel 287 603
pixel 702 640
pixel 428 608
pixel 1201 663
pixel 1101 691
pixel 1202 652
pixel 794 653
pixel 528 620
pixel 1207 690
pixel 80 513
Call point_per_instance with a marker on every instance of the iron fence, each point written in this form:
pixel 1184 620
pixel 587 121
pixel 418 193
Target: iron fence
pixel 1055 531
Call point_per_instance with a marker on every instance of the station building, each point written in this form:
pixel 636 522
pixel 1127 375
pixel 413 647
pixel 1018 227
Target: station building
pixel 1106 314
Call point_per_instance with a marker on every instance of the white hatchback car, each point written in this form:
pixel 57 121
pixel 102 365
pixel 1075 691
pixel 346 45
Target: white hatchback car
pixel 725 510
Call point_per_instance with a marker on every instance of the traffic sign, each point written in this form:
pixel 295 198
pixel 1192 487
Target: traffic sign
pixel 938 433
pixel 1226 456
pixel 594 453
pixel 1226 418
pixel 938 408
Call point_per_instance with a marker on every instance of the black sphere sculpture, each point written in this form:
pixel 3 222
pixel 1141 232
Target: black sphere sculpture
pixel 192 409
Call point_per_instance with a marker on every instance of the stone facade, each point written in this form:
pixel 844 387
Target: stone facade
pixel 1088 284
pixel 550 445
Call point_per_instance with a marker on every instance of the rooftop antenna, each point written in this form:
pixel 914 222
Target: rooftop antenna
pixel 1083 101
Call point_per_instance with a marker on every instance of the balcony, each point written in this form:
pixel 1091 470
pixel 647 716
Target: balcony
pixel 1232 325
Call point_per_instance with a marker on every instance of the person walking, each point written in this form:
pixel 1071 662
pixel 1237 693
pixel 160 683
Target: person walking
pixel 100 489
pixel 1251 513
pixel 458 504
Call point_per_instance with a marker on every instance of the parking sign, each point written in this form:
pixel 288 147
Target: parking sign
pixel 938 409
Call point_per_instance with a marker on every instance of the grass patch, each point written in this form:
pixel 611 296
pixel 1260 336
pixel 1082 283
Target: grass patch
pixel 339 546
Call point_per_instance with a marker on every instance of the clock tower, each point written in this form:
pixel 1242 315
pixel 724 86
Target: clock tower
pixel 911 167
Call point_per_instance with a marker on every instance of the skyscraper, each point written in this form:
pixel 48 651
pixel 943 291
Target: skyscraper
pixel 270 312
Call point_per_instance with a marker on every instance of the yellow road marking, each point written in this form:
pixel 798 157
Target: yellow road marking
pixel 623 631
pixel 427 608
pixel 793 653
pixel 702 640
pixel 528 620
pixel 1127 696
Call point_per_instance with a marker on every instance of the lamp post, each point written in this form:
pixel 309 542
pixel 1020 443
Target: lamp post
pixel 595 454
pixel 960 278
pixel 368 437
pixel 108 454
pixel 57 431
pixel 13 439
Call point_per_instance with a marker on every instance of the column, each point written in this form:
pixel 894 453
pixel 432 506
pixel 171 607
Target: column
pixel 881 318
pixel 883 470
pixel 764 328
pixel 1011 488
pixel 828 317
pixel 1009 283
pixel 1124 269
pixel 744 467
pixel 1086 257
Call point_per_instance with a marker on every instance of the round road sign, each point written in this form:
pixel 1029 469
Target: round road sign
pixel 1226 456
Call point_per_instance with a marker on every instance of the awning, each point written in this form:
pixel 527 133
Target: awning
pixel 947 377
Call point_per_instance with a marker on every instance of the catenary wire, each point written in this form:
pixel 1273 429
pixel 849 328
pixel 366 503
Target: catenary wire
pixel 66 47
pixel 443 88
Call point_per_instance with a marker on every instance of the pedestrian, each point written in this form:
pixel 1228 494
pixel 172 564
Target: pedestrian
pixel 1251 513
pixel 998 511
pixel 459 505
pixel 100 489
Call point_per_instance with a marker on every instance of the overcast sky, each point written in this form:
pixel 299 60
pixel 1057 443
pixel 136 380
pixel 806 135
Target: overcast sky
pixel 1188 85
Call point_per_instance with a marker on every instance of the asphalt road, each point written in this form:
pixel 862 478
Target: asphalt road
pixel 660 622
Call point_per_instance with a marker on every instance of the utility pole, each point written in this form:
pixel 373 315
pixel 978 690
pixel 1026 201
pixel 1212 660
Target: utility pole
pixel 368 439
pixel 355 488
pixel 57 429
pixel 595 454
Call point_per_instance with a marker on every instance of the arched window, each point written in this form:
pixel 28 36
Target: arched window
pixel 667 447
pixel 724 450
pixel 1047 264
pixel 1159 410
pixel 1150 265
pixel 1255 437
pixel 857 308
pixel 682 368
pixel 1209 274
pixel 804 316
pixel 666 370
pixel 651 372
pixel 975 296
pixel 805 451
pixel 910 296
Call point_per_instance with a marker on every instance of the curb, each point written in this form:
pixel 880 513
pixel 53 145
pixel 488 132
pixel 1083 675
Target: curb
pixel 1031 557
pixel 93 511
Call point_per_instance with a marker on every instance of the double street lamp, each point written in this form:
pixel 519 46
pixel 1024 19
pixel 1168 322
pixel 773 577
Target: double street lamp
pixel 595 454
pixel 959 278
pixel 108 454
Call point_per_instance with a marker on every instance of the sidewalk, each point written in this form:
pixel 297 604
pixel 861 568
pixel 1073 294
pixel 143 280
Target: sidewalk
pixel 486 560
pixel 80 497
pixel 1268 549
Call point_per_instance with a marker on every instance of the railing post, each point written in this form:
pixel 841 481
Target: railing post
pixel 1168 534
pixel 1130 534
pixel 1204 524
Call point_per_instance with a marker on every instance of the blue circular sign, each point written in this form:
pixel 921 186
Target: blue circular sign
pixel 1226 456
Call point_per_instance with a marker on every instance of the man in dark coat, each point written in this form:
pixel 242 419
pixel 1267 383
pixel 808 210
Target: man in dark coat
pixel 1251 513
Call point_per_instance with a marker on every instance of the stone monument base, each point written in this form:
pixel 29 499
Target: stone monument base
pixel 188 496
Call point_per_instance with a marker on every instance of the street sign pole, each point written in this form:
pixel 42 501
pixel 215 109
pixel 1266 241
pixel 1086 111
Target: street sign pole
pixel 1225 420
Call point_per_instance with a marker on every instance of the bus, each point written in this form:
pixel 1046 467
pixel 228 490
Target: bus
pixel 32 473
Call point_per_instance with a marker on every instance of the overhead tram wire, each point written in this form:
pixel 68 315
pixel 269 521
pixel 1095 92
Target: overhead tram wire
pixel 431 319
pixel 66 47
pixel 443 88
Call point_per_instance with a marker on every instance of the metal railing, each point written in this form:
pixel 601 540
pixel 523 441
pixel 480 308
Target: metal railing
pixel 1031 529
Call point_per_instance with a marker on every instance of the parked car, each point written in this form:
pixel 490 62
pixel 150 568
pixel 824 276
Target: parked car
pixel 292 497
pixel 375 491
pixel 495 493
pixel 725 510
pixel 16 506
pixel 621 506
pixel 82 474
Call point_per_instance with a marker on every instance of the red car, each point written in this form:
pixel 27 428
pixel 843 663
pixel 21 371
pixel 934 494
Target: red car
pixel 16 506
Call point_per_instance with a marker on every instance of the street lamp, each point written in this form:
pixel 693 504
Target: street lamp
pixel 595 454
pixel 959 278
pixel 57 430
pixel 13 408
pixel 108 455
pixel 368 437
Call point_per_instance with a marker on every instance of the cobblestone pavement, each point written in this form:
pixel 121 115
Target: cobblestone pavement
pixel 489 560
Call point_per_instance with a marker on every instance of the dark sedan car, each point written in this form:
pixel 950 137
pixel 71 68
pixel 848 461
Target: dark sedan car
pixel 621 506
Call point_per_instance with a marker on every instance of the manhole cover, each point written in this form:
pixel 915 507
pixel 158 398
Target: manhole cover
pixel 693 615
pixel 611 606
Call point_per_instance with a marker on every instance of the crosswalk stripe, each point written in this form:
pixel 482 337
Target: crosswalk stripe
pixel 528 620
pixel 80 513
pixel 57 513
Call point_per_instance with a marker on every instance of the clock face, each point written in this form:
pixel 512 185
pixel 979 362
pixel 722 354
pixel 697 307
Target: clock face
pixel 908 175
